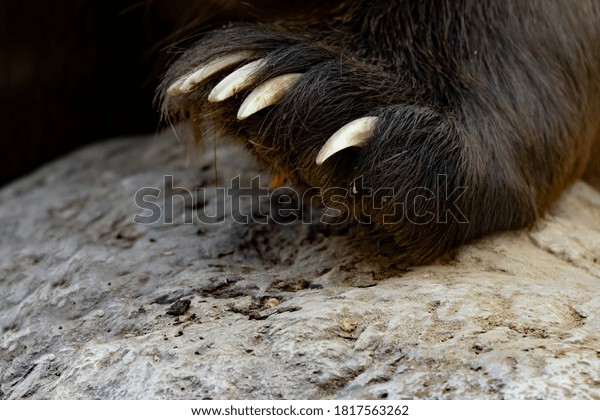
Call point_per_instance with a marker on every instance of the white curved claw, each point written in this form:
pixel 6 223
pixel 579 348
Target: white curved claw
pixel 173 90
pixel 235 82
pixel 268 93
pixel 188 82
pixel 356 133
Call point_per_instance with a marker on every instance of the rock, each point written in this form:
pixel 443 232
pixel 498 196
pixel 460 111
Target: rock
pixel 267 310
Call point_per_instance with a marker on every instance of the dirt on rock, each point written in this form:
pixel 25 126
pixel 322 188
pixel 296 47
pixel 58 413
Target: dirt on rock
pixel 95 305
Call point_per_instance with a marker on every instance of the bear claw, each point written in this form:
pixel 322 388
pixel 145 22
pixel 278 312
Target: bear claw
pixel 188 82
pixel 354 134
pixel 266 94
pixel 235 82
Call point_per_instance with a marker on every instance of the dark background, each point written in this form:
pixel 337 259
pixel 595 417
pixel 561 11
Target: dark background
pixel 77 71
pixel 64 66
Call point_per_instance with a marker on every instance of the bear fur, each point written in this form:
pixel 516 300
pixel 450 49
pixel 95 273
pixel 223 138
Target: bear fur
pixel 487 110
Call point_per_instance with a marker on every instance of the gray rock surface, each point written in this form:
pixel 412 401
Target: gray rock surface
pixel 93 305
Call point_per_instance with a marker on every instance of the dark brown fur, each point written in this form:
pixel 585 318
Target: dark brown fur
pixel 500 96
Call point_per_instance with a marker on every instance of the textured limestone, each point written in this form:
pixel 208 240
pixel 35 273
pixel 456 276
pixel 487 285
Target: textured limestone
pixel 93 305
